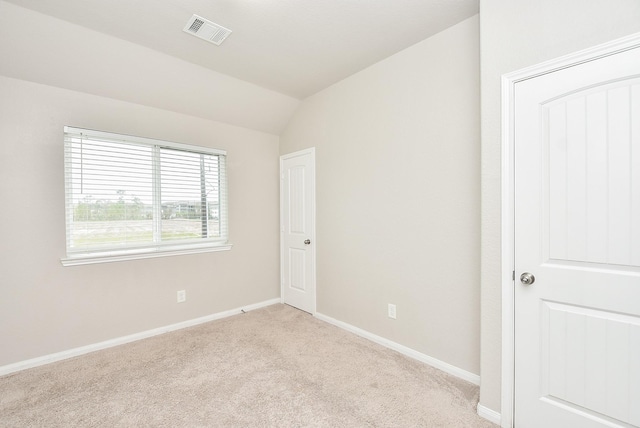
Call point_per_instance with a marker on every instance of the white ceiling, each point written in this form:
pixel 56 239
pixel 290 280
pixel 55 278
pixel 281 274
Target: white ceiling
pixel 295 47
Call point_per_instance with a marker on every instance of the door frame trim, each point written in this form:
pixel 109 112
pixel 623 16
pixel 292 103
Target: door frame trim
pixel 509 82
pixel 310 151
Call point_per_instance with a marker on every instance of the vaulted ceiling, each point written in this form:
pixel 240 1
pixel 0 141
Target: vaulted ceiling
pixel 295 47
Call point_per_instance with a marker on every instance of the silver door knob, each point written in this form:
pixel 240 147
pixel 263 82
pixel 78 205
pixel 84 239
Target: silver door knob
pixel 527 278
pixel 307 241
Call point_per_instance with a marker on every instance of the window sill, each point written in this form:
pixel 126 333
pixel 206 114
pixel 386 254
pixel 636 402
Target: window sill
pixel 146 253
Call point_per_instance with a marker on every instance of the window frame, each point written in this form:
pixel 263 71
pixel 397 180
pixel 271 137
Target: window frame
pixel 117 252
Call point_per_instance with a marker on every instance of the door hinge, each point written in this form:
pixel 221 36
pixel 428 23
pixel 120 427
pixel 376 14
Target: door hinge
pixel 513 275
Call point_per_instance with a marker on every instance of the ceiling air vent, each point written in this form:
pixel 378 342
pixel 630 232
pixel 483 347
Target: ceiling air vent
pixel 206 30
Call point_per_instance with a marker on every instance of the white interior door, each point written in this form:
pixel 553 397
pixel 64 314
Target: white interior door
pixel 577 231
pixel 297 241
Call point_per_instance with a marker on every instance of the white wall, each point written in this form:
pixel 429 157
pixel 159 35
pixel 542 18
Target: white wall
pixel 514 35
pixel 47 50
pixel 397 153
pixel 45 307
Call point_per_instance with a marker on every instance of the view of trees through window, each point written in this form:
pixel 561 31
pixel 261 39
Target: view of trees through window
pixel 121 194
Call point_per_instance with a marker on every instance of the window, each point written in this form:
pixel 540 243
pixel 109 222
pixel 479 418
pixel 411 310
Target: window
pixel 131 197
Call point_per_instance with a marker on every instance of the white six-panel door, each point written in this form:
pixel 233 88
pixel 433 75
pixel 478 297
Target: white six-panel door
pixel 297 229
pixel 577 232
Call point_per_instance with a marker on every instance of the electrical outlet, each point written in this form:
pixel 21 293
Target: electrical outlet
pixel 392 311
pixel 182 296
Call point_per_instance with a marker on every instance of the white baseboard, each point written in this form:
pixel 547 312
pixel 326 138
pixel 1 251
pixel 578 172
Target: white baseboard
pixel 445 367
pixel 488 414
pixel 58 356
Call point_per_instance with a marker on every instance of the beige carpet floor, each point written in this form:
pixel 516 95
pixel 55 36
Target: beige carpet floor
pixel 273 367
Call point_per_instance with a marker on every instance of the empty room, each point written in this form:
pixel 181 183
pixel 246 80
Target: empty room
pixel 336 213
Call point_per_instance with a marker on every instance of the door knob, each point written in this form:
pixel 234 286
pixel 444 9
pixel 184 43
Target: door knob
pixel 527 278
pixel 307 241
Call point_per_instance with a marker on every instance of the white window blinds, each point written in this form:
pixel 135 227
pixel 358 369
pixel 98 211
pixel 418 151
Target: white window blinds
pixel 127 193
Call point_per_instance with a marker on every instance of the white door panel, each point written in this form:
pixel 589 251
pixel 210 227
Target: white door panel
pixel 577 230
pixel 297 194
